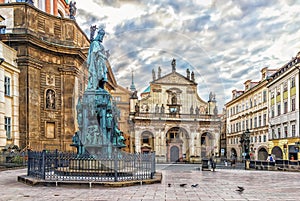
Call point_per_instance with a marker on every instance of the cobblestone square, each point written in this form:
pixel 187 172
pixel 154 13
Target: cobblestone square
pixel 219 185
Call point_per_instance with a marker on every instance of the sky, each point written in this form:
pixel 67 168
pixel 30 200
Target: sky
pixel 224 42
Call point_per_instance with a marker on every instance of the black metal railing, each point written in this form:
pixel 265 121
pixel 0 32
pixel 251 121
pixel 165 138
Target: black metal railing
pixel 62 166
pixel 277 165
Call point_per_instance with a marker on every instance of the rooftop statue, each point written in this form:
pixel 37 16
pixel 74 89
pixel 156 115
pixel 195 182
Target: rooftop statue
pixel 72 10
pixel 97 62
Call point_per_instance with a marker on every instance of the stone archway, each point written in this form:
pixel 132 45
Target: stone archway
pixel 233 152
pixel 277 152
pixel 207 144
pixel 262 154
pixel 177 142
pixel 147 142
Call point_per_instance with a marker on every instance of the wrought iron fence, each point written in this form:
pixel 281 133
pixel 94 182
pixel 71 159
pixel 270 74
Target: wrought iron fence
pixel 277 165
pixel 63 166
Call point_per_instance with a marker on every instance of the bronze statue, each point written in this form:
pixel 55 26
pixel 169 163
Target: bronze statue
pixel 97 62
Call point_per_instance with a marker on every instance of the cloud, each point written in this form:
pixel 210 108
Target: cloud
pixel 224 42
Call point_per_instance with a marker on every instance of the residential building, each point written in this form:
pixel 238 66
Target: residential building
pixel 9 98
pixel 171 119
pixel 283 106
pixel 248 109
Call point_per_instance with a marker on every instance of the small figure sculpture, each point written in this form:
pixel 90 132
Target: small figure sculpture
pixel 156 109
pixel 50 99
pixel 173 64
pixel 72 9
pixel 137 108
pixel 191 110
pixel 197 110
pixel 193 76
pixel 162 109
pixel 159 72
pixel 92 32
pixel 216 111
pixel 153 75
pixel 97 63
pixel 174 99
pixel 188 73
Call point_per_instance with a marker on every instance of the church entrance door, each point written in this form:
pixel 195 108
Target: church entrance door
pixel 174 155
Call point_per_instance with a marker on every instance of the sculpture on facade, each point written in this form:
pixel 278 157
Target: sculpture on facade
pixel 173 63
pixel 92 32
pixel 72 10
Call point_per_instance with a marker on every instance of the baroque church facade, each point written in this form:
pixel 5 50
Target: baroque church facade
pixel 51 58
pixel 171 119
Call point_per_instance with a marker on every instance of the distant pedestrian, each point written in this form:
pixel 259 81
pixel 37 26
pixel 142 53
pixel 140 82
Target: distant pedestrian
pixel 270 158
pixel 225 162
pixel 233 161
pixel 212 161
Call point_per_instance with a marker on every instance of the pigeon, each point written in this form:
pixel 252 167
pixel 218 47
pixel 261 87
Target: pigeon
pixel 169 185
pixel 182 185
pixel 194 185
pixel 240 189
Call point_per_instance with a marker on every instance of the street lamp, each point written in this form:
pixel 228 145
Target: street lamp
pixel 245 142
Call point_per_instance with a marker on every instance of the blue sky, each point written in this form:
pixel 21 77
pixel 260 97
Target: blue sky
pixel 225 42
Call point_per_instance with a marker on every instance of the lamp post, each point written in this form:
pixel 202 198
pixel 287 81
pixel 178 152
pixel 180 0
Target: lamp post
pixel 245 143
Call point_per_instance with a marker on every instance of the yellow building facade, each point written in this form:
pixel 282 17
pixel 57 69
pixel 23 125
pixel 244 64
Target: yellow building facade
pixel 248 109
pixel 9 98
pixel 283 106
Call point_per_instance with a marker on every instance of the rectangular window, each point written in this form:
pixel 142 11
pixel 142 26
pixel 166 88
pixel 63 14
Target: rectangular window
pixel 251 124
pixel 273 133
pixel 255 122
pixel 259 121
pixel 272 112
pixel 264 96
pixel 7 127
pixel 264 119
pixel 278 133
pixel 293 82
pixel 293 130
pixel 293 105
pixel 50 130
pixel 7 86
pixel 278 110
pixel 265 138
pixel 285 131
pixel 285 107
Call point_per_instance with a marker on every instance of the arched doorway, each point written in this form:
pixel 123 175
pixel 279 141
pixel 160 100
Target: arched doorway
pixel 147 142
pixel 207 144
pixel 262 154
pixel 233 153
pixel 277 152
pixel 174 154
pixel 177 142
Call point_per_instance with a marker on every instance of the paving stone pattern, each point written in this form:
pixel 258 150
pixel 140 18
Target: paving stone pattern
pixel 218 185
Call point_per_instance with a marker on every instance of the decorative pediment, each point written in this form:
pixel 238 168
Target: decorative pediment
pixel 173 78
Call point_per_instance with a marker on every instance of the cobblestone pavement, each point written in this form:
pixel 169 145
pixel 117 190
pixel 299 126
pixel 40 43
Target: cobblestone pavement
pixel 219 185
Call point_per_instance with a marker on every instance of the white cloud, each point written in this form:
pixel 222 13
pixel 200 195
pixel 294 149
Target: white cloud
pixel 224 42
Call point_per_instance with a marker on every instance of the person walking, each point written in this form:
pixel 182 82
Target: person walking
pixel 212 161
